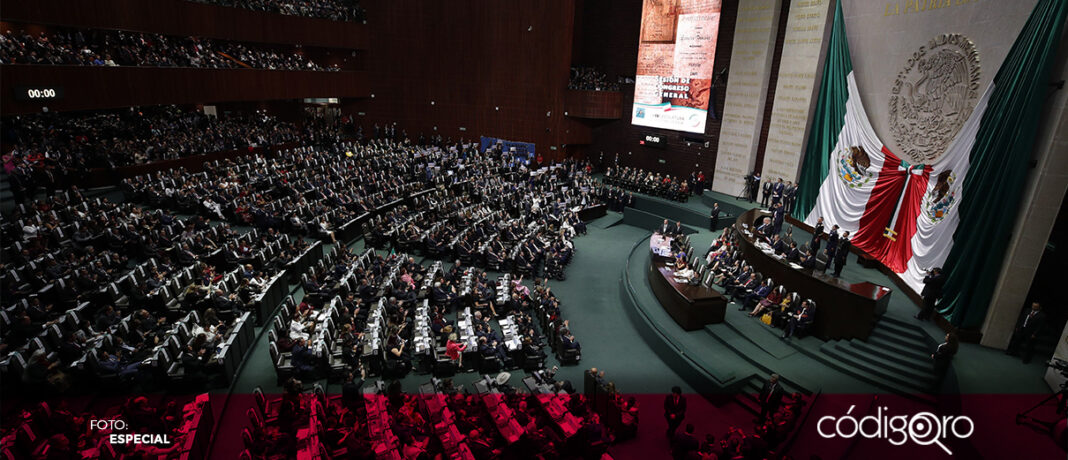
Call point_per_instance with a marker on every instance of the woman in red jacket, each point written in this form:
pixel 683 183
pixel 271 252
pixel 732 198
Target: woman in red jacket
pixel 454 351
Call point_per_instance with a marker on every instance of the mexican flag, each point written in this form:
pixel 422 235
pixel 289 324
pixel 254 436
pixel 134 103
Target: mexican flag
pixel 955 211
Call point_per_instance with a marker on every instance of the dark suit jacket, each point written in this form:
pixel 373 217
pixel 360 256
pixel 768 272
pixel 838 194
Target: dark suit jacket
pixel 1034 324
pixel 683 444
pixel 771 396
pixel 842 251
pixel 676 408
pixel 932 285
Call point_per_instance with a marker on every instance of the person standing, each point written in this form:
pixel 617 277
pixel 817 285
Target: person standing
pixel 674 410
pixel 817 235
pixel 767 194
pixel 840 254
pixel 943 355
pixel 778 215
pixel 932 291
pixel 777 191
pixel 754 183
pixel 770 397
pixel 1027 328
pixel 714 217
pixel 684 444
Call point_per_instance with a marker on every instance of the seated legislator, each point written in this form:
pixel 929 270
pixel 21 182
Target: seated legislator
pixel 773 300
pixel 800 321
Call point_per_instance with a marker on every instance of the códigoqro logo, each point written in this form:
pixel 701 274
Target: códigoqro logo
pixel 923 428
pixel 115 425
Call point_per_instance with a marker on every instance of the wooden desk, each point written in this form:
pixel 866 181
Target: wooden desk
pixel 692 307
pixel 844 310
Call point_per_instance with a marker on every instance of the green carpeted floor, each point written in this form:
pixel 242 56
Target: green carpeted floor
pixel 592 303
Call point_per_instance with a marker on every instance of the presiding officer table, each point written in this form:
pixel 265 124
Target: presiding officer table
pixel 692 307
pixel 844 310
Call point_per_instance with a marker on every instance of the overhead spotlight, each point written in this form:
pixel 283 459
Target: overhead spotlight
pixel 549 113
pixel 497 108
pixel 372 95
pixel 431 102
pixel 565 114
pixel 530 28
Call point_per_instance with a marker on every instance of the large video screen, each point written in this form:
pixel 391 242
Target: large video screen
pixel 676 51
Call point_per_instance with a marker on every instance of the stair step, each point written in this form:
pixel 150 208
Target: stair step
pixel 746 349
pixel 870 373
pixel 908 351
pixel 910 323
pixel 902 330
pixel 886 369
pixel 893 337
pixel 919 362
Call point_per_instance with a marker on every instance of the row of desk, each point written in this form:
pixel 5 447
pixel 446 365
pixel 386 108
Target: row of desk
pixel 691 306
pixel 844 310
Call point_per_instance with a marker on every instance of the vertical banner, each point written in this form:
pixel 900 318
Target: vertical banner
pixel 747 88
pixel 806 29
pixel 676 51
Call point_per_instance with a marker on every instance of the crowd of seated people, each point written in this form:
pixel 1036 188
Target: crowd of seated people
pixel 100 290
pixel 95 291
pixel 590 79
pixel 760 442
pixel 53 151
pixel 521 221
pixel 389 315
pixel 97 47
pixel 546 418
pixel 334 10
pixel 649 183
pixel 305 190
pixel 59 431
pixel 753 292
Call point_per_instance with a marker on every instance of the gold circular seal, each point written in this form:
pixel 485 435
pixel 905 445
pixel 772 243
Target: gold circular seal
pixel 933 95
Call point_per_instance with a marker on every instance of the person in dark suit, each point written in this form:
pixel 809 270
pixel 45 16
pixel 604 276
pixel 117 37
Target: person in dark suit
pixel 351 395
pixel 1028 326
pixel 778 245
pixel 674 410
pixel 932 291
pixel 765 228
pixel 684 443
pixel 943 355
pixel 793 255
pixel 665 228
pixel 789 194
pixel 714 217
pixel 832 243
pixel 817 235
pixel 799 321
pixel 770 397
pixel 767 194
pixel 840 254
pixel 778 215
pixel 808 260
pixel 776 192
pixel 677 230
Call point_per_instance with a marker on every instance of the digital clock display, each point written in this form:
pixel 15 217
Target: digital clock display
pixel 653 140
pixel 38 93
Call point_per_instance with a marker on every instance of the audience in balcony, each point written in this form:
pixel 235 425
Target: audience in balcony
pixel 50 151
pixel 591 79
pixel 334 10
pixel 64 46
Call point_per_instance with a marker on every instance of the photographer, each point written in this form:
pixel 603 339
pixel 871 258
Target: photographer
pixel 932 291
